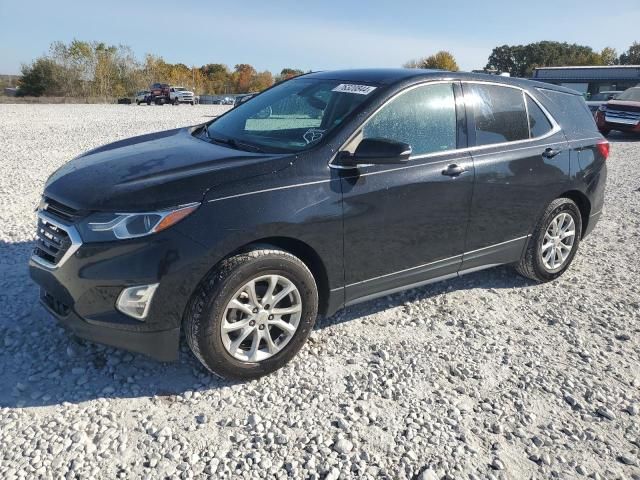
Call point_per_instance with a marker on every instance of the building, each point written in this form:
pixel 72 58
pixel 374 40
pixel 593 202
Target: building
pixel 591 80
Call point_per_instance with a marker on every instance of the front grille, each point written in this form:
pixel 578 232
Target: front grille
pixel 54 304
pixel 61 211
pixel 52 241
pixel 620 116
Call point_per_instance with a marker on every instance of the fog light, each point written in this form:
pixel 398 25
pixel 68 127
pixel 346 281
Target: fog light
pixel 135 301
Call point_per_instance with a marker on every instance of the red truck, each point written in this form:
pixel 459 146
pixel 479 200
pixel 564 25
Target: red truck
pixel 160 94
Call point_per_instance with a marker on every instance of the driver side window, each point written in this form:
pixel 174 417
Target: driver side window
pixel 424 117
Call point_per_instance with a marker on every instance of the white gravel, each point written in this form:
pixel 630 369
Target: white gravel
pixel 488 376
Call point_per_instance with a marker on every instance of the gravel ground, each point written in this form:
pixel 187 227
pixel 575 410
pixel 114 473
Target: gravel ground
pixel 487 376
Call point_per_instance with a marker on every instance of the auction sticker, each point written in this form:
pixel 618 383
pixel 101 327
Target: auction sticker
pixel 353 88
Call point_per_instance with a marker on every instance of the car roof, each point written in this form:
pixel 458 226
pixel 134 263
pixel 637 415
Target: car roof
pixel 390 76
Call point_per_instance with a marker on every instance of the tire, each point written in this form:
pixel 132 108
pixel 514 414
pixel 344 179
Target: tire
pixel 176 102
pixel 138 102
pixel 532 264
pixel 210 308
pixel 605 131
pixel 192 104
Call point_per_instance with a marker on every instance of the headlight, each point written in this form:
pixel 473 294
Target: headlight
pixel 132 225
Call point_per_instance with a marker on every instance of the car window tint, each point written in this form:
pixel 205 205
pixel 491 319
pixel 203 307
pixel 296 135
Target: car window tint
pixel 423 117
pixel 499 113
pixel 539 124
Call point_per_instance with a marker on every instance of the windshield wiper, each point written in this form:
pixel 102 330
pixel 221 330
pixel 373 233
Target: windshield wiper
pixel 233 143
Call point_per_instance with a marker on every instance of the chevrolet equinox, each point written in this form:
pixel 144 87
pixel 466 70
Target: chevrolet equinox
pixel 323 191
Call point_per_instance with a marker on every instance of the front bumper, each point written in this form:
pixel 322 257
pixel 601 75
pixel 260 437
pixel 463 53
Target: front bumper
pixel 603 124
pixel 162 345
pixel 82 291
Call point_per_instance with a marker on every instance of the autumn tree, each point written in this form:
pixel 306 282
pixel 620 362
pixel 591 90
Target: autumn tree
pixel 609 56
pixel 242 77
pixel 38 79
pixel 442 60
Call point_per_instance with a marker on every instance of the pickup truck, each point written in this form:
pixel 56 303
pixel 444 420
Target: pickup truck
pixel 160 94
pixel 178 95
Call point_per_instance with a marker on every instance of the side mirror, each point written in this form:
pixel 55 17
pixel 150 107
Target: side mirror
pixel 376 151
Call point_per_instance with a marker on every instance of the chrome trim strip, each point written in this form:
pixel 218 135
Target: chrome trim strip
pixel 439 261
pixel 442 260
pixel 496 245
pixel 74 236
pixel 384 293
pixel 269 190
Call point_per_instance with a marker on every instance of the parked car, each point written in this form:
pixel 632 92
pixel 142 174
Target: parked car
pixel 240 99
pixel 598 99
pixel 160 93
pixel 142 96
pixel 621 113
pixel 242 230
pixel 178 95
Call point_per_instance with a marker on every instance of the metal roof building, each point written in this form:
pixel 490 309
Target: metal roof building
pixel 590 80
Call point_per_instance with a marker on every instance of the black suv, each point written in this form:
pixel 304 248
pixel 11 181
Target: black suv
pixel 326 190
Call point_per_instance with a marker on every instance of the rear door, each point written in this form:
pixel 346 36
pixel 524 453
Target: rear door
pixel 404 225
pixel 522 162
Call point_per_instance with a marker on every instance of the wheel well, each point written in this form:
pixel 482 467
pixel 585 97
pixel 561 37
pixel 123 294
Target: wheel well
pixel 583 204
pixel 310 258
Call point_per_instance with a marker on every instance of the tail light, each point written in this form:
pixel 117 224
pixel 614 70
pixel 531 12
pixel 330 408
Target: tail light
pixel 603 148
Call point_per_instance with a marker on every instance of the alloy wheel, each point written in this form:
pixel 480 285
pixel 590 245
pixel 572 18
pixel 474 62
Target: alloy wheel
pixel 261 318
pixel 558 241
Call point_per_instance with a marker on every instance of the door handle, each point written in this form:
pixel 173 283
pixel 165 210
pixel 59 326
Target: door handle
pixel 453 170
pixel 550 152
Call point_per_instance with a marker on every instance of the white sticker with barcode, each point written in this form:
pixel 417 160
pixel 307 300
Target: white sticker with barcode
pixel 353 88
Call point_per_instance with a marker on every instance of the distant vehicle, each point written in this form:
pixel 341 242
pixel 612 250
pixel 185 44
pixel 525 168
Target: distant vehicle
pixel 240 99
pixel 141 96
pixel 160 94
pixel 597 99
pixel 124 101
pixel 178 95
pixel 240 231
pixel 621 113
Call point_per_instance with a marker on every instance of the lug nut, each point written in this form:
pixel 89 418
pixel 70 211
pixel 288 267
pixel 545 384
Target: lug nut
pixel 267 307
pixel 252 323
pixel 261 327
pixel 255 310
pixel 270 317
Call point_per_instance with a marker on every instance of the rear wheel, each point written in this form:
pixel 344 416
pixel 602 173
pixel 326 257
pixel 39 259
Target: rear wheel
pixel 554 242
pixel 605 131
pixel 252 314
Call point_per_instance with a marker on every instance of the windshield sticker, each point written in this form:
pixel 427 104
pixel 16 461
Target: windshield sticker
pixel 313 135
pixel 353 88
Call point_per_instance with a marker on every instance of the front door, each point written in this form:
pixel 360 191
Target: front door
pixel 406 224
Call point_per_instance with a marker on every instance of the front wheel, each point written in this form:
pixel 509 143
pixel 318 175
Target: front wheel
pixel 252 313
pixel 553 243
pixel 605 131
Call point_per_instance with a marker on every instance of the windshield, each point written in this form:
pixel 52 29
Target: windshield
pixel 632 94
pixel 180 89
pixel 292 116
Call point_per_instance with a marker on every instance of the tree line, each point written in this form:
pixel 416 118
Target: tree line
pixel 94 69
pixel 522 60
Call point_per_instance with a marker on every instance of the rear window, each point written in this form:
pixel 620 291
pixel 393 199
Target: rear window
pixel 499 112
pixel 570 111
pixel 539 124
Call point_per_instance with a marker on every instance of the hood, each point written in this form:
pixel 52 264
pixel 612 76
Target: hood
pixel 154 171
pixel 624 105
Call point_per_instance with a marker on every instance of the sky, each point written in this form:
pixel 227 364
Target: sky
pixel 327 34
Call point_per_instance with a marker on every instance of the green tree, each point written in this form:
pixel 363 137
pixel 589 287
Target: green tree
pixel 521 60
pixel 287 73
pixel 631 56
pixel 38 78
